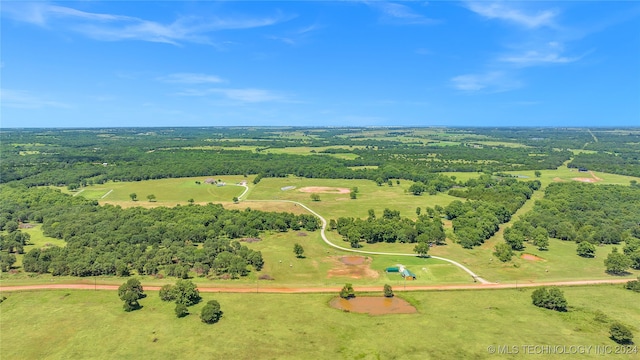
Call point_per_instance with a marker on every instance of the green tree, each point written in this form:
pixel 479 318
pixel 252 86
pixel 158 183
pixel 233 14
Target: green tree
pixel 379 181
pixel 347 292
pixel 503 252
pixel 549 298
pixel 418 211
pixel 211 312
pixel 133 196
pixel 186 292
pixel 130 292
pixel 151 198
pixel 422 249
pixel 388 292
pixel 353 195
pixel 298 250
pixel 633 285
pixel 190 201
pixel 620 333
pixel 389 182
pixel 541 238
pixel 416 188
pixel 315 197
pixel 167 293
pixel 537 173
pixel 235 200
pixel 586 249
pixel 617 263
pixel 181 310
pixel 6 261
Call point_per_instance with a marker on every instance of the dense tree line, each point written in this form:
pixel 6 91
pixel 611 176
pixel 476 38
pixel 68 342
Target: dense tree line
pixel 590 214
pixel 491 202
pixel 389 228
pixel 109 240
pixel 623 163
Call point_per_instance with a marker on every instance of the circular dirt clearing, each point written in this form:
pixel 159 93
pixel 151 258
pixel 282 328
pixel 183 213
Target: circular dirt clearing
pixel 371 305
pixel 531 257
pixel 352 260
pixel 325 189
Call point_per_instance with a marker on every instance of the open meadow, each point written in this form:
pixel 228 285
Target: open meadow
pixel 63 324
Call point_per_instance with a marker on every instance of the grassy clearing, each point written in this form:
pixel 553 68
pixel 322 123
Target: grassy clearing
pixel 449 324
pixel 565 174
pixel 168 192
pixel 333 206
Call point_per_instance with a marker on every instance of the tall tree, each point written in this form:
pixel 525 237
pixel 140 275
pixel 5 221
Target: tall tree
pixel 130 292
pixel 211 312
pixel 616 262
pixel 298 250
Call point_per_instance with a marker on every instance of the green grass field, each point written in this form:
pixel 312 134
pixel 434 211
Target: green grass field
pixel 168 192
pixel 333 206
pixel 75 324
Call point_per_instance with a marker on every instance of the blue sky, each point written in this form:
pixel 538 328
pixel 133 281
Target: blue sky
pixel 342 63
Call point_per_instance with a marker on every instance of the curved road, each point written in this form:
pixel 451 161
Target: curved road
pixel 326 240
pixel 484 284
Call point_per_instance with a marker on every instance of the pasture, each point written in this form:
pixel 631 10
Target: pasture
pixel 168 192
pixel 334 205
pixel 63 324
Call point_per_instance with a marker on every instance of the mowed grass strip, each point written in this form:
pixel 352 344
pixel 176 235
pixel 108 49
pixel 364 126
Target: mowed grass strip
pixel 449 324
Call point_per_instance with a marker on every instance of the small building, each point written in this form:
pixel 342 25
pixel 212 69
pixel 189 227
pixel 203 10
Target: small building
pixel 583 169
pixel 408 274
pixel 209 181
pixel 393 269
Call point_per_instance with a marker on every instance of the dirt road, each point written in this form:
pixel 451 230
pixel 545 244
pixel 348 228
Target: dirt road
pixel 293 290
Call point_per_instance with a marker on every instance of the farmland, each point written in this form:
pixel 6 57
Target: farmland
pixel 199 197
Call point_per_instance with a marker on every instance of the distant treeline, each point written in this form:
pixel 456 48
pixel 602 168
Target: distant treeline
pixel 80 157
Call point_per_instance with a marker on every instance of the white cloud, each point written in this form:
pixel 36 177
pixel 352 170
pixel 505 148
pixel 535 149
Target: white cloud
pixel 246 95
pixel 191 78
pixel 503 10
pixel 108 27
pixel 534 57
pixel 25 100
pixel 494 81
pixel 399 13
pixel 549 53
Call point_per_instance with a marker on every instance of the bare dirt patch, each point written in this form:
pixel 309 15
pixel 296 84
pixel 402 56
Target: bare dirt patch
pixel 531 257
pixel 587 180
pixel 324 189
pixel 352 260
pixel 250 240
pixel 592 179
pixel 355 267
pixel 557 179
pixel 378 305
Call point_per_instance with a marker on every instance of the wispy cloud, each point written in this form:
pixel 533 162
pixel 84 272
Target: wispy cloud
pixel 549 54
pixel 26 100
pixel 191 78
pixel 110 27
pixel 245 95
pixel 509 12
pixel 400 14
pixel 493 81
pixel 297 36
